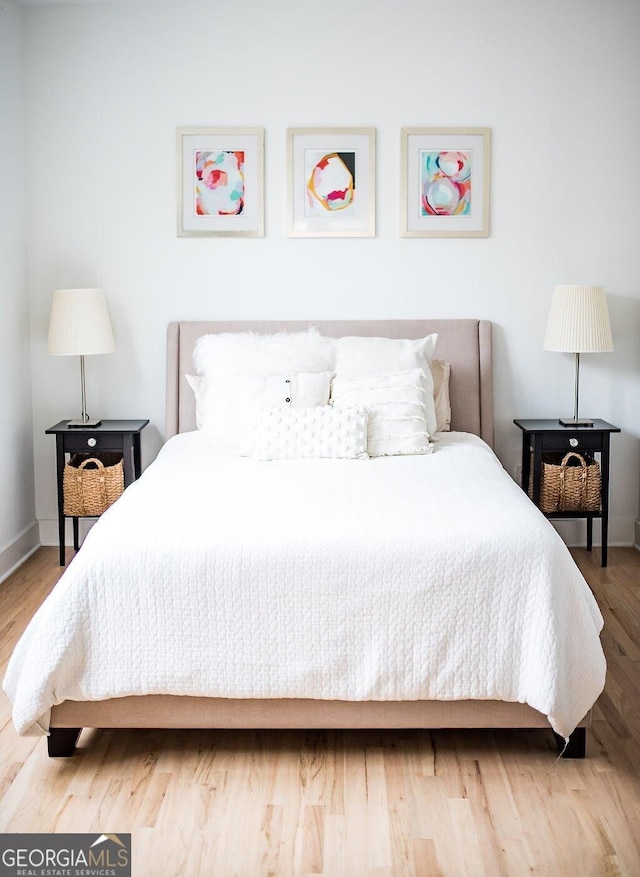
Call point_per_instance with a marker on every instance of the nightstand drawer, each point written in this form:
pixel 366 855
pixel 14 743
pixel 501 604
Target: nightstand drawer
pixel 572 441
pixel 87 441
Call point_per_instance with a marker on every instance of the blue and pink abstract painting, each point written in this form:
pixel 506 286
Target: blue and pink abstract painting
pixel 445 183
pixel 219 182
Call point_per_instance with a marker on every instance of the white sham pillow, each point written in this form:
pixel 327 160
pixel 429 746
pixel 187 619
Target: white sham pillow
pixel 227 405
pixel 306 433
pixel 441 374
pixel 357 357
pixel 262 354
pixel 396 404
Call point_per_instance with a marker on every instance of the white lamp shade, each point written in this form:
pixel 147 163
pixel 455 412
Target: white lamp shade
pixel 578 320
pixel 79 323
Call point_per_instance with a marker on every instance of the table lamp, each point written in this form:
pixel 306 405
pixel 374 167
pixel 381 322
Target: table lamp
pixel 578 323
pixel 80 326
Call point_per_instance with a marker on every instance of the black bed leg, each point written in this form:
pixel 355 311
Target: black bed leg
pixel 577 746
pixel 61 742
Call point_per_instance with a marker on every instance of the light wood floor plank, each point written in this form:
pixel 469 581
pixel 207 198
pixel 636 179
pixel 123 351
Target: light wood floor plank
pixel 352 803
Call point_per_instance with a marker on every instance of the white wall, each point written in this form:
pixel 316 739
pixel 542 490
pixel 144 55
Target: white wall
pixel 18 530
pixel 556 83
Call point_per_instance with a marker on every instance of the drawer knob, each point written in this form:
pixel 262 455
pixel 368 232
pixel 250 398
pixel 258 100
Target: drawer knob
pixel 92 442
pixel 573 442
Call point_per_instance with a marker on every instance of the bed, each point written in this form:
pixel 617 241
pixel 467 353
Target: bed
pixel 556 652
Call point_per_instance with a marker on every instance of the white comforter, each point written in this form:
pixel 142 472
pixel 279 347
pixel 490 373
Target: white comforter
pixel 427 577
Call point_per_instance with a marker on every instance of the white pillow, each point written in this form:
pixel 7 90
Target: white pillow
pixel 227 405
pixel 303 433
pixel 396 404
pixel 358 357
pixel 441 373
pixel 261 354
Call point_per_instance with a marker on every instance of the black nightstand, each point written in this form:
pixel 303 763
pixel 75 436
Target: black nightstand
pixel 117 436
pixel 546 436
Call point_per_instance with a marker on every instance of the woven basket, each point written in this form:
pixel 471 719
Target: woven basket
pixel 90 492
pixel 568 488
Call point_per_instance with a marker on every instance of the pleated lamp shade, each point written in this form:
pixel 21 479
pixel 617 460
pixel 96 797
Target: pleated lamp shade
pixel 79 324
pixel 578 320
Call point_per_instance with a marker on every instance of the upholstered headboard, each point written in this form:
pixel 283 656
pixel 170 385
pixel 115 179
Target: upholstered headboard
pixel 466 344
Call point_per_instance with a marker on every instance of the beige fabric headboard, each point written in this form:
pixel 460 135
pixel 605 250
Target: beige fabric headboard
pixel 466 344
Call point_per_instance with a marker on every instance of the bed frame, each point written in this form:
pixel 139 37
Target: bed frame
pixel 466 344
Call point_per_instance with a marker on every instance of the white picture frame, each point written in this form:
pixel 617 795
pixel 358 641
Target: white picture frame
pixel 331 182
pixel 445 182
pixel 220 182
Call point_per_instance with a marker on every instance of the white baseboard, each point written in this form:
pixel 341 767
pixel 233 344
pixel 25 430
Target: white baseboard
pixel 49 530
pixel 574 532
pixel 14 553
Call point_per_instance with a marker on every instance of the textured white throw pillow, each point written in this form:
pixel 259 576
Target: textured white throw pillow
pixel 396 404
pixel 260 354
pixel 358 357
pixel 304 433
pixel 227 405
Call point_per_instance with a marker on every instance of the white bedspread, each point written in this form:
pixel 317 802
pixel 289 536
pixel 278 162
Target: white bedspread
pixel 427 577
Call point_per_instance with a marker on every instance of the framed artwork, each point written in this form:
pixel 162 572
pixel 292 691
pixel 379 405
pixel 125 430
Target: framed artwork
pixel 445 182
pixel 220 182
pixel 331 175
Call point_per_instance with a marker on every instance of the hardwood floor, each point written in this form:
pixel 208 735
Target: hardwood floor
pixel 253 803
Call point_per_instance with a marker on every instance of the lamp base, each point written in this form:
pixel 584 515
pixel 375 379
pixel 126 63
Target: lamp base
pixel 77 424
pixel 574 421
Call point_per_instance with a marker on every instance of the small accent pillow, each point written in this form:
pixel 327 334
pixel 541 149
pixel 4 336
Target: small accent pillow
pixel 305 433
pixel 358 357
pixel 254 353
pixel 396 404
pixel 227 405
pixel 441 372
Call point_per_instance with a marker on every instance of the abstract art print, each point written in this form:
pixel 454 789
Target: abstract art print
pixel 445 182
pixel 221 182
pixel 331 182
pixel 219 187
